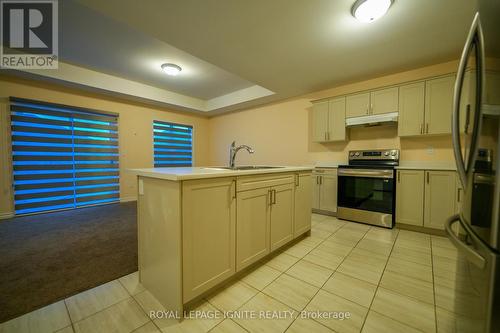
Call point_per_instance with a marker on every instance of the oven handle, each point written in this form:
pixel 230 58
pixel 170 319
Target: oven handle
pixel 388 174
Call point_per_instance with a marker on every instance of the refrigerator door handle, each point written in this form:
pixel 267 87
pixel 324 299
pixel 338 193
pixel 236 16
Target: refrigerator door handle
pixel 475 37
pixel 467 250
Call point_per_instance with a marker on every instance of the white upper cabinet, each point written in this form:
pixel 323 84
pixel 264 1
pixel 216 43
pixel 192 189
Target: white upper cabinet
pixel 357 105
pixel 336 120
pixel 329 120
pixel 320 121
pixel 384 100
pixel 411 109
pixel 439 105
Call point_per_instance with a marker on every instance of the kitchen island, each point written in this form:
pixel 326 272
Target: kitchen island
pixel 200 227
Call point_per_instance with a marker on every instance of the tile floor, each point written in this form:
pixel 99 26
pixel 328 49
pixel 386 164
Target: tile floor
pixel 388 280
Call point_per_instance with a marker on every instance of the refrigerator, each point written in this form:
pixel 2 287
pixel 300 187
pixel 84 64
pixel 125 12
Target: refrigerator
pixel 474 298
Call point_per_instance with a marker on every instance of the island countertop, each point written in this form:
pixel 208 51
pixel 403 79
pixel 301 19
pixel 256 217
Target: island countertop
pixel 186 173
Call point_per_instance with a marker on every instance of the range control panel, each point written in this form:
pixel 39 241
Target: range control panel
pixel 374 155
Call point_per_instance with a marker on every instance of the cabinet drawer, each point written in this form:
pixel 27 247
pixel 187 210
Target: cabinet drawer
pixel 246 183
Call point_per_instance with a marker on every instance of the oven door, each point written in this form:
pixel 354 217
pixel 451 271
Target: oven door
pixel 366 195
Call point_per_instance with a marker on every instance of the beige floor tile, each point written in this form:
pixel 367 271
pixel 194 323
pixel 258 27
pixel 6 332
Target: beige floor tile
pixel 408 286
pixel 345 238
pixel 148 302
pixel 94 300
pixel 291 291
pixel 355 290
pixel 232 297
pixel 448 322
pixel 348 234
pixel 446 252
pixel 442 242
pixel 68 329
pixel 335 248
pixel 50 318
pixel 310 273
pixel 382 235
pixel 148 328
pixel 207 319
pixel 329 226
pixel 124 316
pixel 301 325
pixel 260 277
pixel 377 323
pixel 323 258
pixel 446 298
pixel 298 250
pixel 282 262
pixel 327 302
pixel 228 326
pixel 131 283
pixel 318 217
pixel 368 254
pixel 361 227
pixel 320 233
pixel 414 236
pixel 365 268
pixel 408 310
pixel 411 255
pixel 412 246
pixel 311 241
pixel 374 246
pixel 259 305
pixel 410 269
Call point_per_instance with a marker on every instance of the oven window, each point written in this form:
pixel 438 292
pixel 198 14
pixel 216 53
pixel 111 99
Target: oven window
pixel 372 194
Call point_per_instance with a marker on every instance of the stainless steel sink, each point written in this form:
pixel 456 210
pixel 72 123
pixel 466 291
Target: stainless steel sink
pixel 245 167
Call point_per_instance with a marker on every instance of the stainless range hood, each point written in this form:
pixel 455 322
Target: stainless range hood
pixel 373 120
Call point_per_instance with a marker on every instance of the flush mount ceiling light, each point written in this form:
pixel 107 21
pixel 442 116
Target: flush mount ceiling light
pixel 171 69
pixel 370 10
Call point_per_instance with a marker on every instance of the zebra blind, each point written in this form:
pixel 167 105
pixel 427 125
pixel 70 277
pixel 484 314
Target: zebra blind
pixel 63 157
pixel 173 144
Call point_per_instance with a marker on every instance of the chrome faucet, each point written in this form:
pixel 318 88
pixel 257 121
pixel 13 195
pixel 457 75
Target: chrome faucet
pixel 233 150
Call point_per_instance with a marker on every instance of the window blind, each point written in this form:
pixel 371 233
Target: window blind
pixel 63 157
pixel 173 144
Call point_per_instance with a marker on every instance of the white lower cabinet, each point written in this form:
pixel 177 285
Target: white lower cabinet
pixel 426 198
pixel 324 190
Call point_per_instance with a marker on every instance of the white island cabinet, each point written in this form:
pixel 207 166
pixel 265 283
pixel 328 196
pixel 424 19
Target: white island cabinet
pixel 198 227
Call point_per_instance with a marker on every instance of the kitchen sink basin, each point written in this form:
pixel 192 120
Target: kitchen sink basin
pixel 245 167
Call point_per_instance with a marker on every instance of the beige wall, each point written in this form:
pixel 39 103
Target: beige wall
pixel 281 133
pixel 135 130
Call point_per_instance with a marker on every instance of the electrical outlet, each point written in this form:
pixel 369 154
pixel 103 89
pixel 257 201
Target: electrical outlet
pixel 430 150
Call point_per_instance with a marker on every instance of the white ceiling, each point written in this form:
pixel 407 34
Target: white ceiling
pixel 289 47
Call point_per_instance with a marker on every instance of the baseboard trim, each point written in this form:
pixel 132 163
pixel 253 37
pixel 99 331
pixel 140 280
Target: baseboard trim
pixel 4 216
pixel 430 231
pixel 323 212
pixel 128 199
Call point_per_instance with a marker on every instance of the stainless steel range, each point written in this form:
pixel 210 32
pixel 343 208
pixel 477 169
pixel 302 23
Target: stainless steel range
pixel 366 187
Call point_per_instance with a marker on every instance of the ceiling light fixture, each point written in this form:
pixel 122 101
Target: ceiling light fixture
pixel 171 69
pixel 370 10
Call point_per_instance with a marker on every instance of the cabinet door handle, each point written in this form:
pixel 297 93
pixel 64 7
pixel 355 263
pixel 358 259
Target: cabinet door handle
pixel 297 179
pixel 427 128
pixel 421 128
pixel 270 195
pixel 234 186
pixel 458 194
pixel 399 176
pixel 273 195
pixel 427 175
pixel 320 180
pixel 317 180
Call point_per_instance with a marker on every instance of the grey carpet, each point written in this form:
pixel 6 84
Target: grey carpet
pixel 48 257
